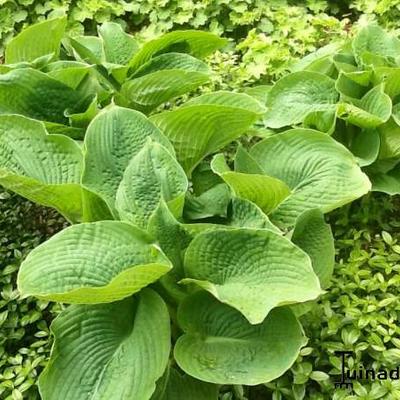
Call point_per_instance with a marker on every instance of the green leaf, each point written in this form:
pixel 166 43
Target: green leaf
pixel 88 49
pixel 207 123
pixel 372 110
pixel 197 43
pixel 152 175
pixel 388 183
pixel 245 214
pixel 36 95
pixel 118 350
pixel 376 41
pixel 220 346
pixel 389 134
pixel 365 146
pixel 213 202
pixel 320 172
pixel 36 41
pixel 298 94
pixel 184 387
pixel 113 137
pixel 149 91
pixel 119 47
pixel 94 262
pixel 251 270
pixel 265 191
pixel 314 236
pixel 43 168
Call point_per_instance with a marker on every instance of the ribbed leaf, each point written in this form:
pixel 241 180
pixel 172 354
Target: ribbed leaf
pixel 95 262
pixel 206 124
pixel 108 351
pixel 314 236
pixel 320 172
pixel 152 175
pixel 36 41
pixel 265 191
pixel 36 95
pixel 112 139
pixel 220 346
pixel 372 110
pixel 251 270
pixel 119 47
pixel 298 94
pixel 197 43
pixel 149 91
pixel 43 168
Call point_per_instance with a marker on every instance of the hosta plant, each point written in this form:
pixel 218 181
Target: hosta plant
pixel 64 81
pixel 184 271
pixel 350 91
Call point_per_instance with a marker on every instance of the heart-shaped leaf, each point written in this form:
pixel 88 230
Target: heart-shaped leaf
pixel 108 351
pixel 41 167
pixel 220 346
pixel 251 270
pixel 95 262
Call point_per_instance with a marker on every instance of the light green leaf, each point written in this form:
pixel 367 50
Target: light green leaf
pixel 36 41
pixel 314 236
pixel 120 354
pixel 220 346
pixel 245 214
pixel 96 262
pixel 36 95
pixel 152 175
pixel 388 183
pixel 113 137
pixel 119 47
pixel 265 191
pixel 197 43
pixel 320 172
pixel 207 123
pixel 251 270
pixel 175 61
pixel 43 168
pixel 372 110
pixel 88 49
pixel 365 146
pixel 390 140
pixel 183 387
pixel 149 91
pixel 298 94
pixel 376 41
pixel 212 202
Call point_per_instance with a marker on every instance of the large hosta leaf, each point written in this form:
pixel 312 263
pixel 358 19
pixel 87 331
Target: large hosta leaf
pixel 220 346
pixel 108 351
pixel 149 91
pixel 36 41
pixel 112 139
pixel 207 123
pixel 251 270
pixel 43 168
pixel 372 110
pixel 320 172
pixel 119 47
pixel 265 191
pixel 374 40
pixel 313 235
pixel 197 43
pixel 298 94
pixel 151 176
pixel 34 94
pixel 92 263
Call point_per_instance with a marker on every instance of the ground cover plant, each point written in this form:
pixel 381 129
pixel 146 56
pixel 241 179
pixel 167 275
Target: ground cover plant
pixel 349 91
pixel 154 218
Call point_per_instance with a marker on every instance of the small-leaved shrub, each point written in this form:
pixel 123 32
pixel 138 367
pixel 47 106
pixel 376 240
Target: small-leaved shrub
pixel 183 273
